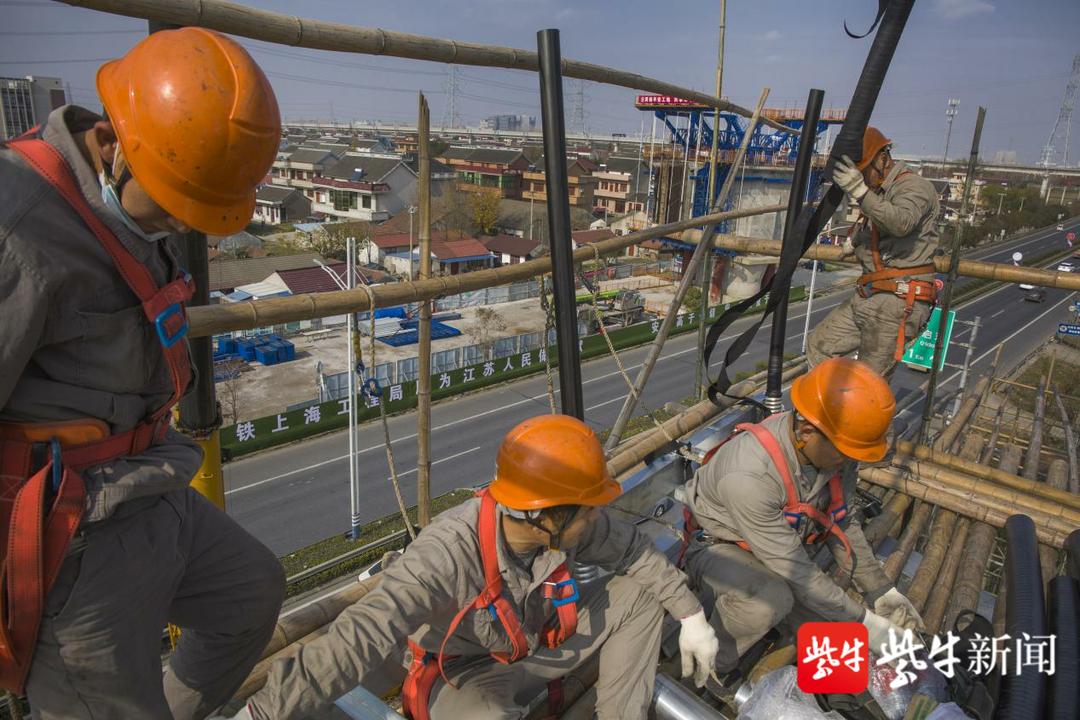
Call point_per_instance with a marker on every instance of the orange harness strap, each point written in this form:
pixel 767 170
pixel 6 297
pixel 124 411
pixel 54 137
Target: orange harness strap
pixel 559 587
pixel 41 510
pixel 794 509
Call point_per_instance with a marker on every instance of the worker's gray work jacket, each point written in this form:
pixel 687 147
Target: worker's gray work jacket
pixel 905 212
pixel 739 495
pixel 74 341
pixel 440 573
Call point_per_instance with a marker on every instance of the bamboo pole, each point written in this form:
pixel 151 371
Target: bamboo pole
pixel 212 319
pixel 879 528
pixel 894 565
pixel 928 574
pixel 282 29
pixel 991 444
pixel 1070 444
pixel 423 381
pixel 980 490
pixel 976 554
pixel 998 476
pixel 948 437
pixel 993 513
pixel 689 273
pixel 935 606
pixel 1031 458
pixel 256 679
pixel 1057 476
pixel 296 625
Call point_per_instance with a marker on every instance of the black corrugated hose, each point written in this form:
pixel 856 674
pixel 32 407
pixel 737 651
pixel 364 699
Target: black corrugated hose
pixel 812 219
pixel 1072 545
pixel 1023 696
pixel 1064 694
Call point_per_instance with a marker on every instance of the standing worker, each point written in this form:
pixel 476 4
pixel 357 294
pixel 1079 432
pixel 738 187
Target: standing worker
pixel 774 489
pixel 895 238
pixel 485 600
pixel 103 541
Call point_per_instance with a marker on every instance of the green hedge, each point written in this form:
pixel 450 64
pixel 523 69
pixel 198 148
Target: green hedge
pixel 261 433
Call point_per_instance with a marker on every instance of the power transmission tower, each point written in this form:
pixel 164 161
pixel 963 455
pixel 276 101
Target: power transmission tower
pixel 451 87
pixel 577 112
pixel 950 115
pixel 1064 119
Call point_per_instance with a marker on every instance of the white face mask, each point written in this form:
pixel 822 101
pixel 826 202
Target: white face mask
pixel 112 201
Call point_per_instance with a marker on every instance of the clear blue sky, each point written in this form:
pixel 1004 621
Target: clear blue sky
pixel 1014 57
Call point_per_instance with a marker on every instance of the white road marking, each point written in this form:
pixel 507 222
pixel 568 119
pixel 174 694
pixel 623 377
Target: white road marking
pixel 442 460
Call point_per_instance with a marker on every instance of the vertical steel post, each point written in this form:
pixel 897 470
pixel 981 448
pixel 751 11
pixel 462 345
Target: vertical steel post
pixel 199 417
pixel 954 263
pixel 967 364
pixel 800 179
pixel 353 361
pixel 558 210
pixel 423 383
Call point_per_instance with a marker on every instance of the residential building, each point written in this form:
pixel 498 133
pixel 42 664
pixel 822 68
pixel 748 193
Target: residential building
pixel 511 249
pixel 529 219
pixel 372 188
pixel 488 169
pixel 452 253
pixel 588 237
pixel 227 275
pixel 579 177
pixel 515 123
pixel 275 204
pixel 297 167
pixel 26 102
pixel 622 185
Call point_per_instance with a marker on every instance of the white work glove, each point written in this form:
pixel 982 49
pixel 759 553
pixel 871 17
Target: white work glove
pixel 899 610
pixel 848 247
pixel 244 714
pixel 698 646
pixel 877 629
pixel 849 178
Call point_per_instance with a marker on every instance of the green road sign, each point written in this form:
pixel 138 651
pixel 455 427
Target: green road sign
pixel 921 350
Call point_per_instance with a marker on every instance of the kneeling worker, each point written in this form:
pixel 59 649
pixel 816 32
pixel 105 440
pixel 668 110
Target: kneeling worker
pixel 780 485
pixel 485 600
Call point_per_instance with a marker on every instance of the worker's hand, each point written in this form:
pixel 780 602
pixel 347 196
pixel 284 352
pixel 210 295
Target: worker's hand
pixel 244 714
pixel 848 246
pixel 899 610
pixel 698 646
pixel 878 629
pixel 849 178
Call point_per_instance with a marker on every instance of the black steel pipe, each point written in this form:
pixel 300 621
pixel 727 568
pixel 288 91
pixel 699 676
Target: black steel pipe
pixel 1064 605
pixel 1023 696
pixel 198 409
pixel 800 179
pixel 558 210
pixel 1072 545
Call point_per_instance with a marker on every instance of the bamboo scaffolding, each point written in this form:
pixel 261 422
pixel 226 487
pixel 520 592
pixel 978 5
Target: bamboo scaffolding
pixel 948 437
pixel 248 314
pixel 976 553
pixel 423 348
pixel 1031 458
pixel 282 29
pixel 937 544
pixel 1070 444
pixel 1010 461
pixel 998 475
pixel 879 528
pixel 894 565
pixel 1051 531
pixel 943 584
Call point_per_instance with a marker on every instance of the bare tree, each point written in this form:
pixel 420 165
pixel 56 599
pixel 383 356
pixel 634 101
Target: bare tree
pixel 228 390
pixel 485 328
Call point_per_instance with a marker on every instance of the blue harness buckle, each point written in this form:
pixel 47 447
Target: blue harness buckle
pixel 57 466
pixel 572 597
pixel 167 340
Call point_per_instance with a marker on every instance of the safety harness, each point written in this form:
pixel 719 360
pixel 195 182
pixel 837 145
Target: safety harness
pixel 42 496
pixel 794 509
pixel 895 281
pixel 559 587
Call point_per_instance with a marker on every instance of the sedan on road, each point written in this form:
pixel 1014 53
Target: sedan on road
pixel 1037 295
pixel 1066 266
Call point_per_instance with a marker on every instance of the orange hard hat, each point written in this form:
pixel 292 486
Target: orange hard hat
pixel 849 403
pixel 873 142
pixel 552 460
pixel 197 122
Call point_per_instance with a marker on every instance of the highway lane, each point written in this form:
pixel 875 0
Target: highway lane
pixel 292 496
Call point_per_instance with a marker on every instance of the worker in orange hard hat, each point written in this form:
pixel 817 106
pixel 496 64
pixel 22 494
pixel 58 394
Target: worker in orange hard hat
pixel 765 495
pixel 103 539
pixel 894 235
pixel 490 606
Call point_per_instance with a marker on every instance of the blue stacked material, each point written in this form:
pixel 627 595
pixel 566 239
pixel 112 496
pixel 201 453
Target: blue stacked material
pixel 290 350
pixel 245 347
pixel 443 317
pixel 266 354
pixel 410 334
pixel 226 345
pixel 390 312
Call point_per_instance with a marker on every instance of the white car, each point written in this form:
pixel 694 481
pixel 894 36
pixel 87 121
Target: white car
pixel 1025 286
pixel 1066 266
pixel 1061 226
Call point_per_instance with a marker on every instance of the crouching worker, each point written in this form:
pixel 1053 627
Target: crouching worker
pixel 485 600
pixel 773 490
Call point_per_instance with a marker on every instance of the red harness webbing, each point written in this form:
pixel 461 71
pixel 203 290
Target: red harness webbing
pixel 34 533
pixel 559 587
pixel 794 508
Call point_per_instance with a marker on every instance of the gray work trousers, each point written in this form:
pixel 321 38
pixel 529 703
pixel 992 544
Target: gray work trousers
pixel 620 624
pixel 868 325
pixel 747 599
pixel 173 558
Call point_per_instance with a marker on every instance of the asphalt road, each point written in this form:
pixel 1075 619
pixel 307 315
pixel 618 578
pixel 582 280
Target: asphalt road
pixel 293 496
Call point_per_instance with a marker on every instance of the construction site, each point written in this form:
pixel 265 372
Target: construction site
pixel 973 513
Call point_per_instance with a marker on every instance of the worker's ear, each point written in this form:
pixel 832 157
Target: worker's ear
pixel 105 136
